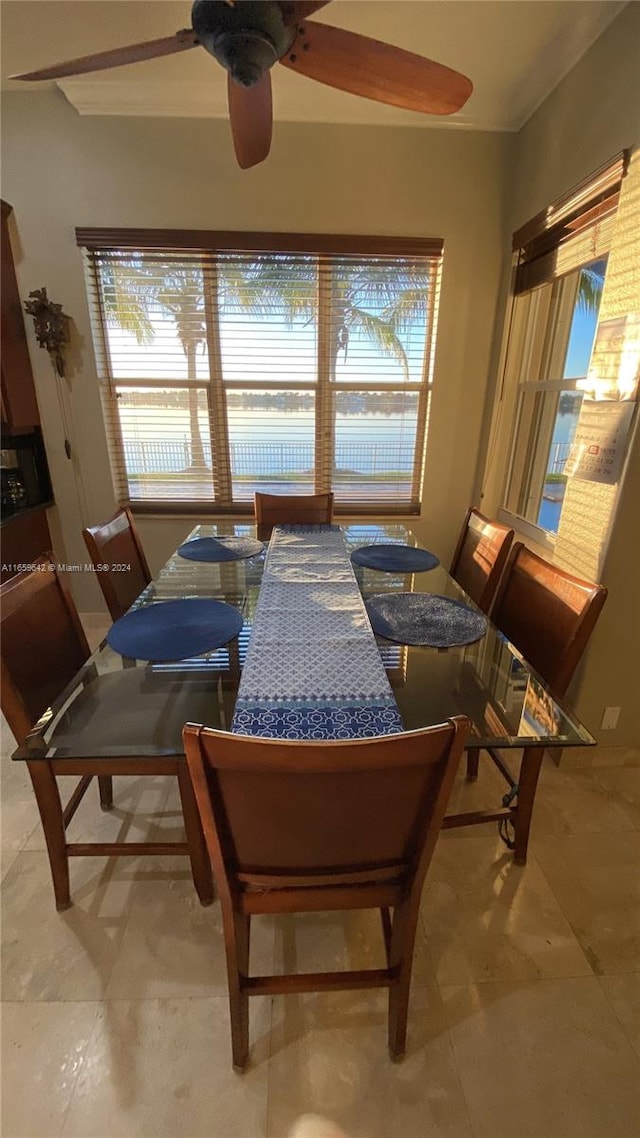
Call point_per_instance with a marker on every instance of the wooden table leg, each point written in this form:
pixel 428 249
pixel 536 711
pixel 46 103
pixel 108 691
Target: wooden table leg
pixel 198 853
pixel 527 783
pixel 473 758
pixel 105 784
pixel 47 795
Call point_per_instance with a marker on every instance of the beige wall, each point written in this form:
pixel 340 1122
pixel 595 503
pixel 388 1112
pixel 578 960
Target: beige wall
pixel 593 114
pixel 60 171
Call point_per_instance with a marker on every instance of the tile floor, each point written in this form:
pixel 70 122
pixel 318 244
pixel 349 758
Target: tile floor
pixel 525 1011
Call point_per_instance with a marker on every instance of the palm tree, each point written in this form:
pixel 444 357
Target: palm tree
pixel 132 292
pixel 590 286
pixel 379 301
pixel 181 296
pixel 126 297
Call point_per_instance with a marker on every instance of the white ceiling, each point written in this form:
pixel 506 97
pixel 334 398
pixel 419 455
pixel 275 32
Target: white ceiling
pixel 515 52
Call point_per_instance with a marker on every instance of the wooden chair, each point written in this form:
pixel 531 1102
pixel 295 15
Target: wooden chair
pixel 549 616
pixel 43 648
pixel 303 827
pixel 480 556
pixel 116 543
pixel 292 509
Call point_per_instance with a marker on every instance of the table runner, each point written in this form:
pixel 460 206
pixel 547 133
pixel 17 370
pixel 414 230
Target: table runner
pixel 313 668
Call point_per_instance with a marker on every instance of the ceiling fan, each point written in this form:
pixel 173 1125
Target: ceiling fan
pixel 248 36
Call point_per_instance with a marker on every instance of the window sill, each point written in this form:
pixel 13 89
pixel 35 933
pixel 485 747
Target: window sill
pixel 211 511
pixel 543 539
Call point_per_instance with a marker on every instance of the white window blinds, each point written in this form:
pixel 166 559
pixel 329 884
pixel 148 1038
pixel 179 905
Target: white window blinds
pixel 574 230
pixel 228 371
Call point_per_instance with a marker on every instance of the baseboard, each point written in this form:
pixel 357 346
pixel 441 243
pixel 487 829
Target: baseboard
pixel 578 758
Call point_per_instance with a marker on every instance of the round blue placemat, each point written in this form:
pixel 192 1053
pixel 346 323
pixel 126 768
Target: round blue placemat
pixel 175 630
pixel 425 619
pixel 220 548
pixel 395 558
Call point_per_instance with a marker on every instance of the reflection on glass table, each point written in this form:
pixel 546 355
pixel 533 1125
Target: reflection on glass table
pixel 488 681
pixel 119 706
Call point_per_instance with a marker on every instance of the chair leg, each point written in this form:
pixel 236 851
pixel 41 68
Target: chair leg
pixel 237 970
pixel 105 786
pixel 473 758
pixel 403 935
pixel 45 788
pixel 385 917
pixel 527 783
pixel 200 863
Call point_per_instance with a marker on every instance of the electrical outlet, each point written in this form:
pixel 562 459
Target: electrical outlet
pixel 610 718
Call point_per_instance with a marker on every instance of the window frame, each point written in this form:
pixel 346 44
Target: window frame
pixel 549 252
pixel 548 332
pixel 97 240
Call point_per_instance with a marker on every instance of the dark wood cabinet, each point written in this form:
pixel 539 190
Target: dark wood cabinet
pixel 19 404
pixel 25 531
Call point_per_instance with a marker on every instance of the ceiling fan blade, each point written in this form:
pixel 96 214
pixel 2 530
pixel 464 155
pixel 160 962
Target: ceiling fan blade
pixel 250 112
pixel 376 70
pixel 134 53
pixel 296 10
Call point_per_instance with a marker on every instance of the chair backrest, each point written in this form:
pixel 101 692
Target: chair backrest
pixel 293 509
pixel 282 814
pixel 480 557
pixel 42 644
pixel 548 614
pixel 116 545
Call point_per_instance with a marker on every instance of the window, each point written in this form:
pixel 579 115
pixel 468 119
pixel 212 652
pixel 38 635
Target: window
pixel 229 370
pixel 561 260
pixel 562 319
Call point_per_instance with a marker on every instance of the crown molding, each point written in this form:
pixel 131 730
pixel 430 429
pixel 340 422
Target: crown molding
pixel 552 67
pixel 199 100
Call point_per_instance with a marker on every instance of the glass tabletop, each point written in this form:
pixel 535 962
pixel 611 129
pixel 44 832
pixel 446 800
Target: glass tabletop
pixel 508 704
pixel 118 707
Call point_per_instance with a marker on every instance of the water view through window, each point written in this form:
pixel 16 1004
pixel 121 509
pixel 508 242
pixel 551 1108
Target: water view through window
pixel 579 348
pixel 245 373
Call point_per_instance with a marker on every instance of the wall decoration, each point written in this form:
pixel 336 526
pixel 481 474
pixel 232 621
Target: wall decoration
pixel 599 444
pixel 51 326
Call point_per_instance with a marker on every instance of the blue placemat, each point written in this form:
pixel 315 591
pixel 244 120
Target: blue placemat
pixel 220 548
pixel 425 619
pixel 395 558
pixel 175 630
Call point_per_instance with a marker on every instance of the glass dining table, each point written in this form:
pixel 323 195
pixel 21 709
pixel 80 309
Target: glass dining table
pixel 125 717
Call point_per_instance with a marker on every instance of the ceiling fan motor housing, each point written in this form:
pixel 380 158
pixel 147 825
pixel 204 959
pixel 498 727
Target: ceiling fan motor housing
pixel 247 37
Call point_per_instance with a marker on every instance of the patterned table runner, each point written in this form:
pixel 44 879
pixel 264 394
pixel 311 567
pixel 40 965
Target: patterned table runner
pixel 313 668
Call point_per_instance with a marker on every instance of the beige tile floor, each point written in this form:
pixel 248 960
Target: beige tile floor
pixel 525 1009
